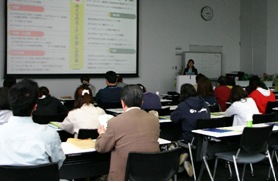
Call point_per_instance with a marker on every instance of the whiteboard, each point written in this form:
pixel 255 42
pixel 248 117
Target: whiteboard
pixel 207 63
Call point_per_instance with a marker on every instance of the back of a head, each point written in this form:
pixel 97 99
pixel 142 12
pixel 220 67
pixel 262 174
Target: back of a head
pixel 23 97
pixel 222 80
pixel 84 79
pixel 111 77
pixel 254 82
pixel 9 81
pixel 43 91
pixel 237 93
pixel 205 88
pixel 186 91
pixel 119 78
pixel 230 81
pixel 132 95
pixel 4 102
pixel 83 96
pixel 142 87
pixel 198 77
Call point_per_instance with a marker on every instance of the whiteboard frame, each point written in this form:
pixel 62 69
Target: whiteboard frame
pixel 185 61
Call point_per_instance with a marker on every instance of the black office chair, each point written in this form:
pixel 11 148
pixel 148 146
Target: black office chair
pixel 88 133
pixel 263 118
pixel 153 166
pixel 43 172
pixel 110 105
pixel 161 112
pixel 269 107
pixel 254 141
pixel 203 124
pixel 45 119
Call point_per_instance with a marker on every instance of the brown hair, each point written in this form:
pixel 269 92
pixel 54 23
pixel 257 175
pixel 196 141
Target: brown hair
pixel 237 93
pixel 82 97
pixel 205 88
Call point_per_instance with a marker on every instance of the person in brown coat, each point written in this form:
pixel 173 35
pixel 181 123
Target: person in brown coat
pixel 133 130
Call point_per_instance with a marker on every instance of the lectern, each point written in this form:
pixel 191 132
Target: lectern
pixel 182 79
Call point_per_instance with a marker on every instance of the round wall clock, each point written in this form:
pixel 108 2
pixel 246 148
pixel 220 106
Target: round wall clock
pixel 206 13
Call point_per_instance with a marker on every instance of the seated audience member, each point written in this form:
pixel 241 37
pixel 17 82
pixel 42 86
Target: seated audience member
pixel 222 92
pixel 205 90
pixel 191 108
pixel 134 130
pixel 241 106
pixel 260 95
pixel 111 93
pixel 85 79
pixel 5 110
pixel 84 115
pixel 120 82
pixel 197 80
pixel 48 105
pixel 9 81
pixel 23 142
pixel 150 100
pixel 230 81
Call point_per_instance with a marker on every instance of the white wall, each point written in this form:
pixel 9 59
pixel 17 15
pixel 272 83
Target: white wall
pixel 165 24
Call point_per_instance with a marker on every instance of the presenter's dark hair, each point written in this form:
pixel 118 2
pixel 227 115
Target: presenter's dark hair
pixel 83 97
pixel 187 90
pixel 205 88
pixel 111 76
pixel 23 97
pixel 190 60
pixel 237 93
pixel 132 95
pixel 43 91
pixel 255 82
pixel 4 102
pixel 9 81
pixel 142 87
pixel 222 80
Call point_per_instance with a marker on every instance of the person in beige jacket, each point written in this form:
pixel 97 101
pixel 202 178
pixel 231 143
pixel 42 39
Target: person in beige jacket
pixel 84 115
pixel 133 130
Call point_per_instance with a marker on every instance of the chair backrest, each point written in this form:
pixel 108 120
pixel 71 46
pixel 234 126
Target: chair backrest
pixel 214 122
pixel 215 108
pixel 161 112
pixel 263 118
pixel 270 105
pixel 43 172
pixel 110 105
pixel 152 166
pixel 45 119
pixel 255 139
pixel 88 133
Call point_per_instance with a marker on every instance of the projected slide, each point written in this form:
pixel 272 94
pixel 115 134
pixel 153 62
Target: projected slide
pixel 71 36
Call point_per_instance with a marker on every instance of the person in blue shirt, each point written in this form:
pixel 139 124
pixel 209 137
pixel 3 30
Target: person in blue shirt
pixel 110 94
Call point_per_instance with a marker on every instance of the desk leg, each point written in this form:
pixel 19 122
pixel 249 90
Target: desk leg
pixel 205 164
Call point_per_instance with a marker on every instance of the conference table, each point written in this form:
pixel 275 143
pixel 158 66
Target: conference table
pixel 215 134
pixel 84 163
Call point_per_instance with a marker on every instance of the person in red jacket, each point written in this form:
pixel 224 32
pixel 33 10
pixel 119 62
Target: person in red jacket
pixel 260 95
pixel 222 92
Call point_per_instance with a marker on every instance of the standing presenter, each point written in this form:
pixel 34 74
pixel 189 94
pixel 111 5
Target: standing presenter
pixel 190 69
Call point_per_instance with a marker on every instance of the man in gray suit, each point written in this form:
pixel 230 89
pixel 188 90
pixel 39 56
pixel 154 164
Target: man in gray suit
pixel 133 130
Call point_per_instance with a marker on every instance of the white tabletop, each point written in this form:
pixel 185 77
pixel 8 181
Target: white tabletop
pixel 70 149
pixel 229 131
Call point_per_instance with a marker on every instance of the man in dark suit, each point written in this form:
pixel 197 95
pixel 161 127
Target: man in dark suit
pixel 133 130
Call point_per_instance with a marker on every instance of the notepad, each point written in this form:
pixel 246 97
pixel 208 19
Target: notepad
pixel 103 119
pixel 217 130
pixel 163 118
pixel 82 143
pixel 275 124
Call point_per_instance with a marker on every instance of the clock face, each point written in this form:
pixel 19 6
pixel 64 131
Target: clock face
pixel 207 13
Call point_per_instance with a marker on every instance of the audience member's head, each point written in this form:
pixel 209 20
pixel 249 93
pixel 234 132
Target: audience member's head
pixel 83 96
pixel 111 77
pixel 254 83
pixel 9 81
pixel 43 91
pixel 187 90
pixel 230 81
pixel 4 102
pixel 237 93
pixel 142 87
pixel 119 78
pixel 222 81
pixel 132 95
pixel 198 77
pixel 84 79
pixel 205 88
pixel 23 97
